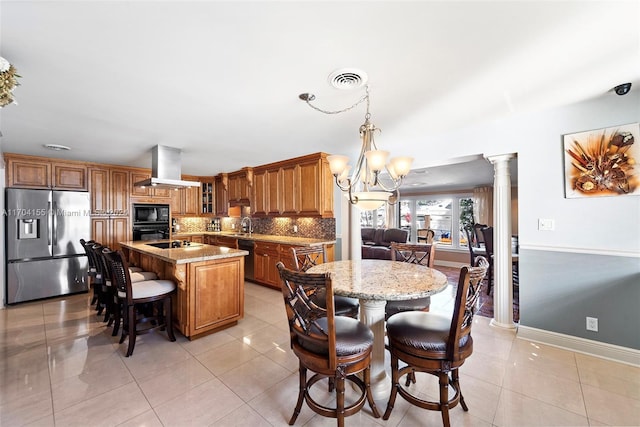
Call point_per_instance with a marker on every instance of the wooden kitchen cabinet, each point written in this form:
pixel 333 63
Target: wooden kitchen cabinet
pixel 147 192
pixel 28 173
pixel 221 195
pixel 40 172
pixel 109 191
pixel 239 186
pixel 68 176
pixel 109 231
pixel 207 196
pixel 259 203
pixel 217 240
pixel 286 256
pixel 185 201
pixel 216 294
pixel 266 256
pixel 297 187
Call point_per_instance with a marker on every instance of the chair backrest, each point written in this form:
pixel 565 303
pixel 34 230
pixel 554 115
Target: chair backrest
pixel 426 234
pixel 306 257
pixel 87 245
pixel 465 306
pixel 96 249
pixel 487 233
pixel 477 233
pixel 476 274
pixel 471 243
pixel 413 253
pixel 310 325
pixel 120 277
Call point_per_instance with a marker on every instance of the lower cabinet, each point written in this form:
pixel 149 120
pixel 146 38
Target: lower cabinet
pixel 266 256
pixel 215 293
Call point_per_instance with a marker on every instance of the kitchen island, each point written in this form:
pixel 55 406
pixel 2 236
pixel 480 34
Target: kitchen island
pixel 209 279
pixel 268 250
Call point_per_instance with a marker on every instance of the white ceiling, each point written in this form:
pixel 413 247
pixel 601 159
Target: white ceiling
pixel 220 80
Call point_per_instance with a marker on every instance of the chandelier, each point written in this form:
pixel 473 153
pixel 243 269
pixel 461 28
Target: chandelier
pixel 366 188
pixel 8 81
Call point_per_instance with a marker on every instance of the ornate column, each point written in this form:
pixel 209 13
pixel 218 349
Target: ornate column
pixel 502 276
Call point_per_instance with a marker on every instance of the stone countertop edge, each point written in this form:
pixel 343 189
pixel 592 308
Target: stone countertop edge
pixel 184 255
pixel 287 240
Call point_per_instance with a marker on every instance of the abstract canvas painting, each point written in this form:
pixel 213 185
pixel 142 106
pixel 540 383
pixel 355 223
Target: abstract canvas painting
pixel 602 162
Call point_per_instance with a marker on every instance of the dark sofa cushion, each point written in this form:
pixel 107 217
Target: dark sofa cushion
pixel 376 242
pixel 394 235
pixel 368 235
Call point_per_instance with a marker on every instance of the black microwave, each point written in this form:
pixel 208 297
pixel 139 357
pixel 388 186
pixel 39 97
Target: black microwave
pixel 150 213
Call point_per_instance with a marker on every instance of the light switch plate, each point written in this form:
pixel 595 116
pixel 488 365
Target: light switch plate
pixel 545 224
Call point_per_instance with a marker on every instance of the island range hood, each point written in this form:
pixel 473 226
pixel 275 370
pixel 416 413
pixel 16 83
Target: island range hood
pixel 165 170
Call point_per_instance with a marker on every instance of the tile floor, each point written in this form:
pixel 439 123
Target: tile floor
pixel 60 366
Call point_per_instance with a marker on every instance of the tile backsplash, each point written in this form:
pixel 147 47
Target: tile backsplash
pixel 315 228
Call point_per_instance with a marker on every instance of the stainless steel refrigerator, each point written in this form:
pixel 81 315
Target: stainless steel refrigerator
pixel 43 232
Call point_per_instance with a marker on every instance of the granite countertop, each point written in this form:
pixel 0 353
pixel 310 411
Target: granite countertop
pixel 196 252
pixel 287 240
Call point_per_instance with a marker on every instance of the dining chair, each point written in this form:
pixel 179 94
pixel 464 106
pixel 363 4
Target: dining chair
pixel 306 257
pixel 472 245
pixel 113 302
pixel 91 271
pixel 336 347
pixel 426 235
pixel 487 233
pixel 155 294
pixel 435 344
pixel 417 254
pixel 477 233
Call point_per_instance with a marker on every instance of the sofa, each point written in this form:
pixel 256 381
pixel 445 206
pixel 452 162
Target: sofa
pixel 376 242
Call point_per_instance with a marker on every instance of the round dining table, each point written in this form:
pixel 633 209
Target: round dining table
pixel 374 282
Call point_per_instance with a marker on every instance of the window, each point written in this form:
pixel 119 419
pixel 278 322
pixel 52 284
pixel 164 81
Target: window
pixel 444 214
pixel 375 219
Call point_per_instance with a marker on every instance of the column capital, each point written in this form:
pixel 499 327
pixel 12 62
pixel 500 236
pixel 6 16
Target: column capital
pixel 501 158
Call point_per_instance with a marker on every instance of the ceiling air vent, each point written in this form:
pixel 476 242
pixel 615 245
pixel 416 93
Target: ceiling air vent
pixel 348 78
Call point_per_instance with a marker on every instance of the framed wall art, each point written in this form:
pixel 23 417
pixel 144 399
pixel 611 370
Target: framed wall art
pixel 602 162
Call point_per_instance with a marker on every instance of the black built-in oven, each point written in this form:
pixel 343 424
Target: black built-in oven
pixel 150 221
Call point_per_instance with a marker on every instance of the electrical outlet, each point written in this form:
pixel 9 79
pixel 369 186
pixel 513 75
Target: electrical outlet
pixel 545 224
pixel 295 228
pixel 592 324
pixel 233 226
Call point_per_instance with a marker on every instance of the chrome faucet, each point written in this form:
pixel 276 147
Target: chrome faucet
pixel 242 224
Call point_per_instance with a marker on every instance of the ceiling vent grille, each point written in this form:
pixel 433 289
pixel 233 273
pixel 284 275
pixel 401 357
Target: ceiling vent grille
pixel 348 78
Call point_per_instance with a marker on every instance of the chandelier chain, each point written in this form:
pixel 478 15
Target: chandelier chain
pixel 364 97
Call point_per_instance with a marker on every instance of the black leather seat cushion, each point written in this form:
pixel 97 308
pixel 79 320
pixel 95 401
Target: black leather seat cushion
pixel 424 331
pixel 417 304
pixel 352 337
pixel 343 306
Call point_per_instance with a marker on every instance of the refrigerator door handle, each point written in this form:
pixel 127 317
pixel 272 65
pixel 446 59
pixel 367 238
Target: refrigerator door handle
pixel 54 216
pixel 49 223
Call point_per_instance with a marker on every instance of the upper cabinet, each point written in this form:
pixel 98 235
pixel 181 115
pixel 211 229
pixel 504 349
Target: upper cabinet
pixel 141 193
pixel 40 172
pixel 207 193
pixel 185 201
pixel 109 188
pixel 239 186
pixel 221 196
pixel 297 187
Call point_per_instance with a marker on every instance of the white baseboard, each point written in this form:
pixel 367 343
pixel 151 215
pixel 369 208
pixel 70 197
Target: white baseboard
pixel 613 352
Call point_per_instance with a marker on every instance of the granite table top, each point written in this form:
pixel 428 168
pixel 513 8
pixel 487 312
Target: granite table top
pixel 374 279
pixel 196 252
